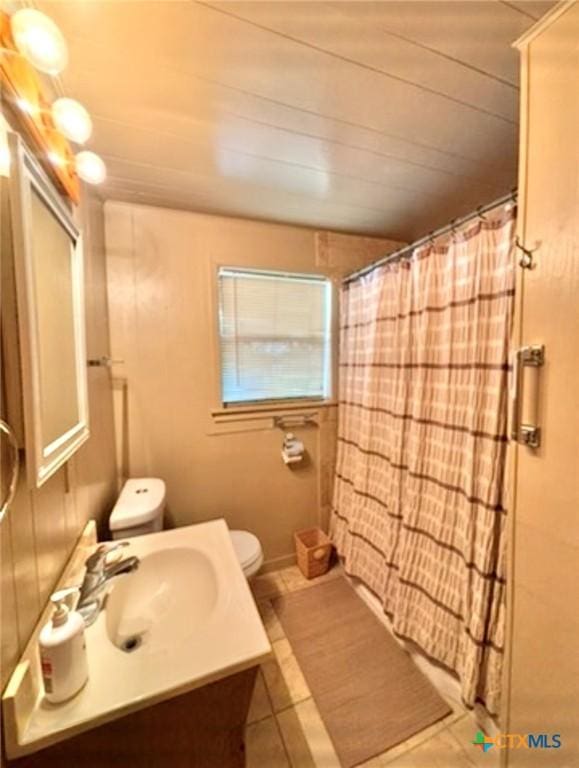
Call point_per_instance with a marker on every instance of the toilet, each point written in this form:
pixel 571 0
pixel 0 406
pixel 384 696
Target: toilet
pixel 140 508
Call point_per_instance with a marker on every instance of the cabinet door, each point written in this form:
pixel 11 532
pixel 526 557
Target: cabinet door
pixel 48 269
pixel 544 674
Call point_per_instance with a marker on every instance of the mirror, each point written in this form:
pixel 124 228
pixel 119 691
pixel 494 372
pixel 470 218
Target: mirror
pixel 49 289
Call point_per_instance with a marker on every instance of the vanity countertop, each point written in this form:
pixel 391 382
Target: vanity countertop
pixel 192 611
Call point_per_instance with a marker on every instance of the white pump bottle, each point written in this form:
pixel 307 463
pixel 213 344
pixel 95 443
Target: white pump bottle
pixel 62 648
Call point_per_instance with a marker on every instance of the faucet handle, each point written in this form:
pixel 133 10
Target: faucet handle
pixel 96 561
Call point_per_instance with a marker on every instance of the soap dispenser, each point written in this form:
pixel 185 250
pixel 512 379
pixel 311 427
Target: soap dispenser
pixel 62 646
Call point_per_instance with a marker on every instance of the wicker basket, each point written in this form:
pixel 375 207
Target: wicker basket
pixel 313 550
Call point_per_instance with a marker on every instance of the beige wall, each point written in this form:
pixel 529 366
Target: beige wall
pixel 40 529
pixel 543 692
pixel 161 266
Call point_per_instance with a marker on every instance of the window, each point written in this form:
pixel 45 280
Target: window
pixel 274 333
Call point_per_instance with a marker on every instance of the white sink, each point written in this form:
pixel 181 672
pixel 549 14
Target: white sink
pixel 183 619
pixel 173 594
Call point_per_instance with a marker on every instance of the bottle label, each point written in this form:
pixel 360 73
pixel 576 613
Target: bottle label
pixel 46 674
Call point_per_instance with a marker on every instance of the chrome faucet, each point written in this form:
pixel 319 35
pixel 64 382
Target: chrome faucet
pixel 98 575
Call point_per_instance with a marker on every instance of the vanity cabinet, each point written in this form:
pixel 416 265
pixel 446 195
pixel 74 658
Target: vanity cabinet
pixel 203 728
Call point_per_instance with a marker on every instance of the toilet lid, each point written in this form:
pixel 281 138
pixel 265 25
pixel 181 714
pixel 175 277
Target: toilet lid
pixel 246 546
pixel 141 501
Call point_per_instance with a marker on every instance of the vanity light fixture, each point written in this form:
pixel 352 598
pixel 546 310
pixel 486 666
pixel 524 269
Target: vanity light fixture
pixel 4 148
pixel 38 38
pixel 25 106
pixel 57 160
pixel 90 167
pixel 72 120
pixel 4 157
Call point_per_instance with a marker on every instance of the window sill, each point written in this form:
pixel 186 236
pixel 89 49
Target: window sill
pixel 269 410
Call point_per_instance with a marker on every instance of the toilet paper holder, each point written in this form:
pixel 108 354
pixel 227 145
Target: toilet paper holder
pixel 292 450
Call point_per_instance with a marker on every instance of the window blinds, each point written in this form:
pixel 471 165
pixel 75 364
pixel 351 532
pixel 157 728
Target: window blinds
pixel 274 336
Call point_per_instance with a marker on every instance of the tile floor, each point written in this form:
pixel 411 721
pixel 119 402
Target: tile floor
pixel 285 729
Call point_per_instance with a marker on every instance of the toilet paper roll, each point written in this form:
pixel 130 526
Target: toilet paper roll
pixel 293 447
pixel 288 459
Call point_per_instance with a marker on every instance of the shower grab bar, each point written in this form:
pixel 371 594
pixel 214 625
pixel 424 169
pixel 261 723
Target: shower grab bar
pixel 532 356
pixel 5 428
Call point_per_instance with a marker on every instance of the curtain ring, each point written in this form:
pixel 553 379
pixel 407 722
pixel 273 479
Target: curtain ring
pixel 453 229
pixel 480 214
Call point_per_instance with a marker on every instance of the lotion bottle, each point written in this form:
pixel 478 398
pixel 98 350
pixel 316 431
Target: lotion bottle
pixel 62 647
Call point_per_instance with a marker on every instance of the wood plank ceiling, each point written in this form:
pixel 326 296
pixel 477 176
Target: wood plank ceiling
pixel 384 118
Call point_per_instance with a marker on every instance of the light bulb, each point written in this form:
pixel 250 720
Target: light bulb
pixel 72 120
pixel 57 160
pixel 90 167
pixel 39 39
pixel 25 106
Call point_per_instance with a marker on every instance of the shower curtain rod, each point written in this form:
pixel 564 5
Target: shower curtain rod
pixel 401 252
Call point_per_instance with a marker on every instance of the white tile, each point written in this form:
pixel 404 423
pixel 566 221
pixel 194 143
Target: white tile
pixel 263 745
pixel 464 732
pixel 283 677
pixel 269 585
pixel 260 706
pixel 389 757
pixel 296 742
pixel 270 620
pixel 440 751
pixel 294 578
pixel 305 737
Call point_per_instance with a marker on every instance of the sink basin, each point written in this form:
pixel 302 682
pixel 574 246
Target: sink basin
pixel 184 619
pixel 173 594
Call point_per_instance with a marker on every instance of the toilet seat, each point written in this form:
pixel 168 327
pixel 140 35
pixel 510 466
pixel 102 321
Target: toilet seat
pixel 248 550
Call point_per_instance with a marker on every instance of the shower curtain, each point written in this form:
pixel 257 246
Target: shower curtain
pixel 418 510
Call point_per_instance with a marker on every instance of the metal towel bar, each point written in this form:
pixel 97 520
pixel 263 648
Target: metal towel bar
pixel 294 420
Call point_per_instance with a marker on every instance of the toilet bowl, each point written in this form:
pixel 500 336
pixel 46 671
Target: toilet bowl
pixel 140 508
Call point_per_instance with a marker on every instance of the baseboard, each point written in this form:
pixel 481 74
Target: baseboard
pixel 277 563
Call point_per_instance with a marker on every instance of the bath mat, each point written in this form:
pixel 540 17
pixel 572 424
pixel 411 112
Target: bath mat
pixel 369 692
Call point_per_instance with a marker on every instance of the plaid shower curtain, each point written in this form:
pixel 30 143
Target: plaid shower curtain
pixel 418 511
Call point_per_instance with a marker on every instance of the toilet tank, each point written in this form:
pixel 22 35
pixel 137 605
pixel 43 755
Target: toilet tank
pixel 139 508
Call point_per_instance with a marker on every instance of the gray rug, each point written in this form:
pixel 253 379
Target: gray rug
pixel 370 694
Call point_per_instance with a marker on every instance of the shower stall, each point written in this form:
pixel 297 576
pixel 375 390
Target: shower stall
pixel 419 511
